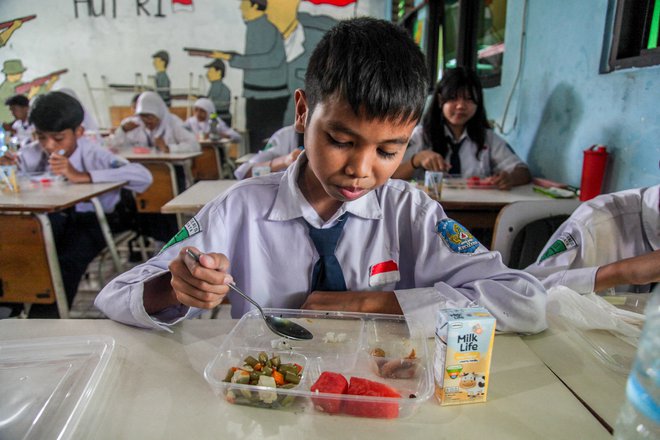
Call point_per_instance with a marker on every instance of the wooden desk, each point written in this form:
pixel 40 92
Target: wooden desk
pixel 601 386
pixel 154 389
pixel 211 166
pixel 38 200
pixel 182 159
pixel 194 198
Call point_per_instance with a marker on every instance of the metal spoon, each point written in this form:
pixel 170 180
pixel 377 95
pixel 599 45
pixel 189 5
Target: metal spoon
pixel 277 325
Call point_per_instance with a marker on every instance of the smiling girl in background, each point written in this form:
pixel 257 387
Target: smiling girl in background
pixel 455 137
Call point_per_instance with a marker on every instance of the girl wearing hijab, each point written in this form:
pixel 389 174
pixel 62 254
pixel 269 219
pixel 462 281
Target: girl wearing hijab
pixel 163 130
pixel 200 122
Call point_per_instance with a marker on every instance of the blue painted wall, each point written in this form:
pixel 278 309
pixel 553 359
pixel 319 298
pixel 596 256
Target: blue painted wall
pixel 561 103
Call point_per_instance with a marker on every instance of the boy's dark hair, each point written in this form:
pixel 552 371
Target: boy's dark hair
pixel 56 111
pixel 454 82
pixel 261 4
pixel 19 100
pixel 374 65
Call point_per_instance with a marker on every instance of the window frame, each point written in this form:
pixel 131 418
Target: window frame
pixel 624 36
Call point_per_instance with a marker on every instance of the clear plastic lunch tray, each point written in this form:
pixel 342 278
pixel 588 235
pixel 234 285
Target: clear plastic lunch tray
pixel 47 384
pixel 343 343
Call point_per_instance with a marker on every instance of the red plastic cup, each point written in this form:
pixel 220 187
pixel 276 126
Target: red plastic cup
pixel 593 170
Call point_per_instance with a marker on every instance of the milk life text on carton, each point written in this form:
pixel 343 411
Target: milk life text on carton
pixel 463 348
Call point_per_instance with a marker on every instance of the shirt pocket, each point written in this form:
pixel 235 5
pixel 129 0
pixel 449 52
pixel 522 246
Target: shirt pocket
pixel 384 273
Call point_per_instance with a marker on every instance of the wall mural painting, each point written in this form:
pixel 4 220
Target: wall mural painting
pixel 13 70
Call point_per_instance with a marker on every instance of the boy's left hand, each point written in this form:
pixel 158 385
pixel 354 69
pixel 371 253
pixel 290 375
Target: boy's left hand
pixel 60 165
pixel 353 301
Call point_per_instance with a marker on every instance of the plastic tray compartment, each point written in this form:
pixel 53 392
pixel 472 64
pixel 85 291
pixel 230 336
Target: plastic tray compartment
pixel 47 384
pixel 343 343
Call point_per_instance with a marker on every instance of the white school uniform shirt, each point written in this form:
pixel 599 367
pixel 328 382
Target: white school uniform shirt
pixel 204 127
pixel 100 163
pixel 603 230
pixel 23 130
pixel 281 143
pixel 495 158
pixel 129 139
pixel 260 225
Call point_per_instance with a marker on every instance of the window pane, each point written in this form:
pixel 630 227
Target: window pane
pixel 490 41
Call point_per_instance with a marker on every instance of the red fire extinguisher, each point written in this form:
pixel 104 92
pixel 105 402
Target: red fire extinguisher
pixel 593 170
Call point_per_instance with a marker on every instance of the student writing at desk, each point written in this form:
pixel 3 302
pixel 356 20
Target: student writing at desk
pixel 129 134
pixel 455 137
pixel 611 242
pixel 62 150
pixel 160 129
pixel 282 149
pixel 333 232
pixel 19 107
pixel 200 123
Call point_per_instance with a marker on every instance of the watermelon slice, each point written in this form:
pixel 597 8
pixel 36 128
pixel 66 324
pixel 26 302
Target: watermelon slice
pixel 365 387
pixel 333 383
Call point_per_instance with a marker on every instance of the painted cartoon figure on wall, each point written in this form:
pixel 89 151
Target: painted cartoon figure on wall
pixel 7 28
pixel 12 85
pixel 301 32
pixel 161 61
pixel 264 73
pixel 219 93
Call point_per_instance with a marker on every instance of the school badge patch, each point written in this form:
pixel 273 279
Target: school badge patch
pixel 189 229
pixel 456 237
pixel 562 244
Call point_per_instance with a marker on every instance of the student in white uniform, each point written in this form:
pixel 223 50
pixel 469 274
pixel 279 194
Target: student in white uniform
pixel 611 242
pixel 200 122
pixel 455 137
pixel 397 252
pixel 19 106
pixel 282 149
pixel 130 132
pixel 62 150
pixel 161 129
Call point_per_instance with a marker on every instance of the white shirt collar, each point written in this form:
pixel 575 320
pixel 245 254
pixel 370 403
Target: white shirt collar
pixel 449 133
pixel 290 202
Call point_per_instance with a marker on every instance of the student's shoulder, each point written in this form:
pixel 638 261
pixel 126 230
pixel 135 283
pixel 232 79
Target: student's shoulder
pixel 397 193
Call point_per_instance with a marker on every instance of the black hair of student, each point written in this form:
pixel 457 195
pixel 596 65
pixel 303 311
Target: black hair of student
pixel 261 4
pixel 135 98
pixel 454 82
pixel 56 111
pixel 374 65
pixel 19 100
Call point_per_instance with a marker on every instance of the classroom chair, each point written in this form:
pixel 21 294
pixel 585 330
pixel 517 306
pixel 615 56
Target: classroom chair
pixel 523 228
pixel 208 166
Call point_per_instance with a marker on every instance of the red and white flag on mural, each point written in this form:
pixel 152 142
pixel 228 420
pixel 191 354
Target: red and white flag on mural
pixel 339 3
pixel 182 5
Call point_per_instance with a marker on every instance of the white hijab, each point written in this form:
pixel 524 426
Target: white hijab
pixel 150 103
pixel 206 105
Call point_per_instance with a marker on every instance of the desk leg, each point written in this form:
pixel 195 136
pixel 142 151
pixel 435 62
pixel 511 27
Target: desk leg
pixel 105 229
pixel 54 263
pixel 187 172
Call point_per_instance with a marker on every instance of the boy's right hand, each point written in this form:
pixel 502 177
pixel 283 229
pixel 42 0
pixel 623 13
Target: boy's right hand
pixel 200 284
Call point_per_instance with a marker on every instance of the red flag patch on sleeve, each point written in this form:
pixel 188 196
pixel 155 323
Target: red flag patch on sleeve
pixel 384 273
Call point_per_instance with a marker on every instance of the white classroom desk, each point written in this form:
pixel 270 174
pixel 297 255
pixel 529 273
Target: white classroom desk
pixel 466 198
pixel 194 198
pixel 599 384
pixel 41 199
pixel 154 389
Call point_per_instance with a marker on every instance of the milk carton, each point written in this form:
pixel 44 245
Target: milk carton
pixel 463 348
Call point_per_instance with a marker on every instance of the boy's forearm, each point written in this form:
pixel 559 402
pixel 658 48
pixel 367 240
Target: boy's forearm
pixel 640 270
pixel 158 294
pixel 354 301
